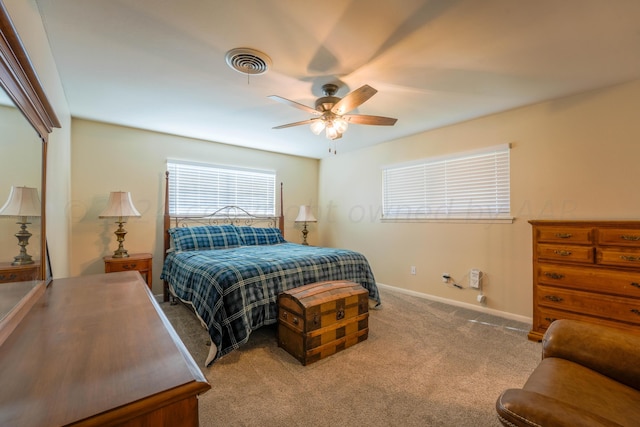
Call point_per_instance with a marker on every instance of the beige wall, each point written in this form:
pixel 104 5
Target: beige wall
pixel 573 158
pixel 109 158
pixel 27 21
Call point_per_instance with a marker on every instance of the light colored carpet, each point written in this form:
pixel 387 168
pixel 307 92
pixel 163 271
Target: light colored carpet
pixel 424 364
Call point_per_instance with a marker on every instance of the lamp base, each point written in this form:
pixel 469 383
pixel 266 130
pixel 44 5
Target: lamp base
pixel 121 252
pixel 23 258
pixel 304 235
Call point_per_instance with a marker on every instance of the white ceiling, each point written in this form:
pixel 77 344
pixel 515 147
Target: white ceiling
pixel 160 64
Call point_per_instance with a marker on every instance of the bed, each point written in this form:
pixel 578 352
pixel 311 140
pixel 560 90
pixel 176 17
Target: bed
pixel 230 267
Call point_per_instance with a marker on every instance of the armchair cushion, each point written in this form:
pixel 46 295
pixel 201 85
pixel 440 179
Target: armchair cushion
pixel 580 380
pixel 612 352
pixel 527 408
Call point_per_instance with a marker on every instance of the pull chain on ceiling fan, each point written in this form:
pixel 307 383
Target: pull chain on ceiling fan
pixel 330 111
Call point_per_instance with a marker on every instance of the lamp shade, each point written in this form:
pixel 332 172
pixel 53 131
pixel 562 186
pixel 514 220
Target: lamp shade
pixel 23 201
pixel 305 214
pixel 119 205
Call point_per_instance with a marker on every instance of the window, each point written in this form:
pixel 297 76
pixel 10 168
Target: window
pixel 466 186
pixel 201 189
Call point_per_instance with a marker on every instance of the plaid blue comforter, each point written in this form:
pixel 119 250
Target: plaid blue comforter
pixel 234 291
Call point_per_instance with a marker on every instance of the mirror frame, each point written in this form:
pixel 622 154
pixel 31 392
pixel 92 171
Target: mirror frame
pixel 20 81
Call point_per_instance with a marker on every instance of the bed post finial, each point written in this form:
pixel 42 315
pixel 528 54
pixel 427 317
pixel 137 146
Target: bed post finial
pixel 167 225
pixel 281 219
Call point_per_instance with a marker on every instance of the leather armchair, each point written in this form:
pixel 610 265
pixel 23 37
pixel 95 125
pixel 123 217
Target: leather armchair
pixel 589 375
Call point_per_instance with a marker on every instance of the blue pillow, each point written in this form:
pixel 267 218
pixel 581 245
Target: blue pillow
pixel 204 237
pixel 250 236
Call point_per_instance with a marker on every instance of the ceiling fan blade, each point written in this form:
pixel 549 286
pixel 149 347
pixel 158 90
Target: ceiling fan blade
pixel 353 99
pixel 362 119
pixel 295 104
pixel 304 122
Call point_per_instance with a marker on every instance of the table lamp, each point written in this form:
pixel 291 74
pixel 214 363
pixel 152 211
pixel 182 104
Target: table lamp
pixel 121 207
pixel 305 216
pixel 23 203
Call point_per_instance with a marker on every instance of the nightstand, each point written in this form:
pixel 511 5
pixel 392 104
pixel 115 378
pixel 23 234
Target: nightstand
pixel 134 262
pixel 19 273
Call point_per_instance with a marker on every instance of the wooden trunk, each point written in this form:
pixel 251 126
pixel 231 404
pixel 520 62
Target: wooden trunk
pixel 320 319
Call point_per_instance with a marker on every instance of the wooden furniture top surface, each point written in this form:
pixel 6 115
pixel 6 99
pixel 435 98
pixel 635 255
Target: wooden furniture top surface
pixel 320 292
pixel 586 223
pixel 93 345
pixel 131 257
pixel 9 266
pixel 12 293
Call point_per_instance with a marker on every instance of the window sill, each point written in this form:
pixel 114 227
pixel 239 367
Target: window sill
pixel 508 220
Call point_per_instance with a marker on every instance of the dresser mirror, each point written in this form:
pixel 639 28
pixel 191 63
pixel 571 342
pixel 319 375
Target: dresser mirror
pixel 26 119
pixel 20 166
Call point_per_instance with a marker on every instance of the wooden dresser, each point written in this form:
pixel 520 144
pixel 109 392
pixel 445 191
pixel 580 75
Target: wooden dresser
pixel 586 270
pixel 98 350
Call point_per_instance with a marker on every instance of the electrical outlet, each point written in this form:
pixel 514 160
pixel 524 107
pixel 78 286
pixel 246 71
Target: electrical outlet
pixel 413 270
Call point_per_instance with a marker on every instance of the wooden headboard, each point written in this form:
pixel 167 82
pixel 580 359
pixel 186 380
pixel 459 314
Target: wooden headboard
pixel 225 215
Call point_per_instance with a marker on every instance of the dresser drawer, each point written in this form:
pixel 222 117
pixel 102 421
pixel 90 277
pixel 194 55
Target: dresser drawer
pixel 591 304
pixel 619 237
pixel 618 257
pixel 19 273
pixel 568 253
pixel 569 235
pixel 545 315
pixel 624 283
pixel 133 265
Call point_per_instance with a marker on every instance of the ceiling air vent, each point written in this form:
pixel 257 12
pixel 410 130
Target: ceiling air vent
pixel 248 61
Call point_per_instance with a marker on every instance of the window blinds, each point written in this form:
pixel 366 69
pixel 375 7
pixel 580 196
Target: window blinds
pixel 471 185
pixel 197 189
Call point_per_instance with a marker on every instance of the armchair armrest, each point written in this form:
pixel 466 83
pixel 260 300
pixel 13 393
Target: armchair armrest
pixel 518 407
pixel 610 351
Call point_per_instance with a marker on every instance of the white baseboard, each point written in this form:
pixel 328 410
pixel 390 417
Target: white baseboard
pixel 504 314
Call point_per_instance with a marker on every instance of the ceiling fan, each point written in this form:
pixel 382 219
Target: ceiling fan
pixel 331 111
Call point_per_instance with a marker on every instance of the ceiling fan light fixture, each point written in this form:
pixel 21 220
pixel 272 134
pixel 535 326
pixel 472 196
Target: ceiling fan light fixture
pixel 317 126
pixel 332 132
pixel 340 124
pixel 329 110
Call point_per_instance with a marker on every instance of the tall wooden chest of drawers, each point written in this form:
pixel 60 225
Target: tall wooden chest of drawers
pixel 586 270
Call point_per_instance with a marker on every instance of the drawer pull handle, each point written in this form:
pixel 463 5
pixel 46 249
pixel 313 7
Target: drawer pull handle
pixel 295 321
pixel 564 235
pixel 562 252
pixel 551 275
pixel 630 237
pixel 635 284
pixel 550 319
pixel 553 298
pixel 630 258
pixel 129 266
pixel 635 311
